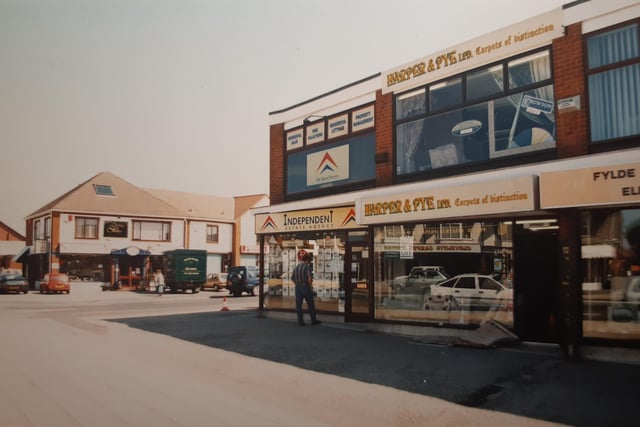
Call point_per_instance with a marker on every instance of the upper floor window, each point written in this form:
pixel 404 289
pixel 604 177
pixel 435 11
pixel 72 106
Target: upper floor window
pixel 152 231
pixel 37 230
pixel 212 233
pixel 500 110
pixel 86 228
pixel 47 228
pixel 613 62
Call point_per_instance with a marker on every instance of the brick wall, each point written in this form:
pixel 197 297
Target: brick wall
pixel 276 164
pixel 569 80
pixel 384 139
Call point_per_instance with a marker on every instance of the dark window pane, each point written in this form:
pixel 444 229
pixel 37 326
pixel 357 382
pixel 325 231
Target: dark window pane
pixel 445 95
pixel 484 83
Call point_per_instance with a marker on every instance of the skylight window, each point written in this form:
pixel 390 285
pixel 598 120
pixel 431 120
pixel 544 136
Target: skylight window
pixel 103 190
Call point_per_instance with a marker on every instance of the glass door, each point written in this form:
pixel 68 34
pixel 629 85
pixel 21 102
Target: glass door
pixel 358 296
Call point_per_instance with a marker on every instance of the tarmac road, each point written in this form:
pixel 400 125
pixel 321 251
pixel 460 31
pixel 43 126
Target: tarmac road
pixel 526 379
pixel 63 364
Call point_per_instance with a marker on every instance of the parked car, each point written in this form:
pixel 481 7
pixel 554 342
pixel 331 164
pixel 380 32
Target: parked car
pixel 467 291
pixel 424 275
pixel 55 283
pixel 215 282
pixel 13 283
pixel 242 279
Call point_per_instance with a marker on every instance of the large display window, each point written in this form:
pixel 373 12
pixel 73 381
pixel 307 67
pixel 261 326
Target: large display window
pixel 611 274
pixel 447 273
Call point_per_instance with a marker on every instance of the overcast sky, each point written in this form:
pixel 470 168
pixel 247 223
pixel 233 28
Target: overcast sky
pixel 175 94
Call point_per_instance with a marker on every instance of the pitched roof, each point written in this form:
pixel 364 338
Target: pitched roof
pixel 8 230
pixel 198 206
pixel 244 203
pixel 127 200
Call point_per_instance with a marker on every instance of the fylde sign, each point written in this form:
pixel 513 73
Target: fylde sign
pixel 606 185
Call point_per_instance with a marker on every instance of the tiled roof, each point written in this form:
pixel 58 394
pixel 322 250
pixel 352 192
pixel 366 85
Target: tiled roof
pixel 127 200
pixel 198 206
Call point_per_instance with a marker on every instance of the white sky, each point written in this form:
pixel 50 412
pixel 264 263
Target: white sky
pixel 175 94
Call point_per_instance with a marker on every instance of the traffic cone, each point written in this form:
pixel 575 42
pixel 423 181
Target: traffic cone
pixel 224 305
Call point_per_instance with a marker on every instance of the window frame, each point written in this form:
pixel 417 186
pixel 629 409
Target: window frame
pixel 600 70
pixel 137 231
pixel 209 235
pixel 496 157
pixel 82 223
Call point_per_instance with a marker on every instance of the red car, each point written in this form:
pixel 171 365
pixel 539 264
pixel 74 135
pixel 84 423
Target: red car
pixel 56 283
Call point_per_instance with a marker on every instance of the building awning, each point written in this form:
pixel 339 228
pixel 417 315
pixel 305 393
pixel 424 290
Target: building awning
pixel 131 251
pixel 22 255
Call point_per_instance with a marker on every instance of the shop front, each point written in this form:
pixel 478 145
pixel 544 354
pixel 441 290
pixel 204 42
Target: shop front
pixel 455 256
pixel 601 208
pixel 340 253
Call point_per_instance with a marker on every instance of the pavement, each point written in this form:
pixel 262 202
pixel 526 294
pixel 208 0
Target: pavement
pixel 524 379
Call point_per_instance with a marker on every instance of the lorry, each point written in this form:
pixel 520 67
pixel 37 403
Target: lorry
pixel 185 269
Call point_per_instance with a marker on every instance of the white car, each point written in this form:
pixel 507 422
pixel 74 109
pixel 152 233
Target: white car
pixel 467 291
pixel 420 276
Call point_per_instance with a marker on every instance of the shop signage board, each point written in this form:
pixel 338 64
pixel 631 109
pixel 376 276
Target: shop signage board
pixel 604 185
pixel 336 218
pixel 517 194
pixel 294 139
pixel 526 35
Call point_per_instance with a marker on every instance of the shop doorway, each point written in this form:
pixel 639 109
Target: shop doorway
pixel 536 280
pixel 357 286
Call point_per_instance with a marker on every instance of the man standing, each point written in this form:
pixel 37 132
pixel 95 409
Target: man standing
pixel 303 280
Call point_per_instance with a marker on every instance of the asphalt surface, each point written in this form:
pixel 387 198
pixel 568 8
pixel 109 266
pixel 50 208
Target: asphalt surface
pixel 535 382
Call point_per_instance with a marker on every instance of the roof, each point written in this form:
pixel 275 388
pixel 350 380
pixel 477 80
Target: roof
pixel 127 200
pixel 10 231
pixel 244 203
pixel 197 206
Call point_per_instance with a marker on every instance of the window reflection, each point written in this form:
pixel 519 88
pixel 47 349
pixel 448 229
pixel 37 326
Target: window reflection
pixel 611 274
pixel 444 272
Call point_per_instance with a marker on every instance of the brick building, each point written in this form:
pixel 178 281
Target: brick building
pixel 510 161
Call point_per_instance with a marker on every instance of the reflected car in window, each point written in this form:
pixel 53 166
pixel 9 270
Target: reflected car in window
pixel 468 291
pixel 13 283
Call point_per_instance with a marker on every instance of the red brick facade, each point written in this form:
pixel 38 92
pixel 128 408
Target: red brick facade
pixel 569 80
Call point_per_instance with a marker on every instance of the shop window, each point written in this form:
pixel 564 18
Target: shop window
pixel 495 118
pixel 152 231
pixel 613 59
pixel 283 254
pixel 212 234
pixel 611 274
pixel 444 273
pixel 86 228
